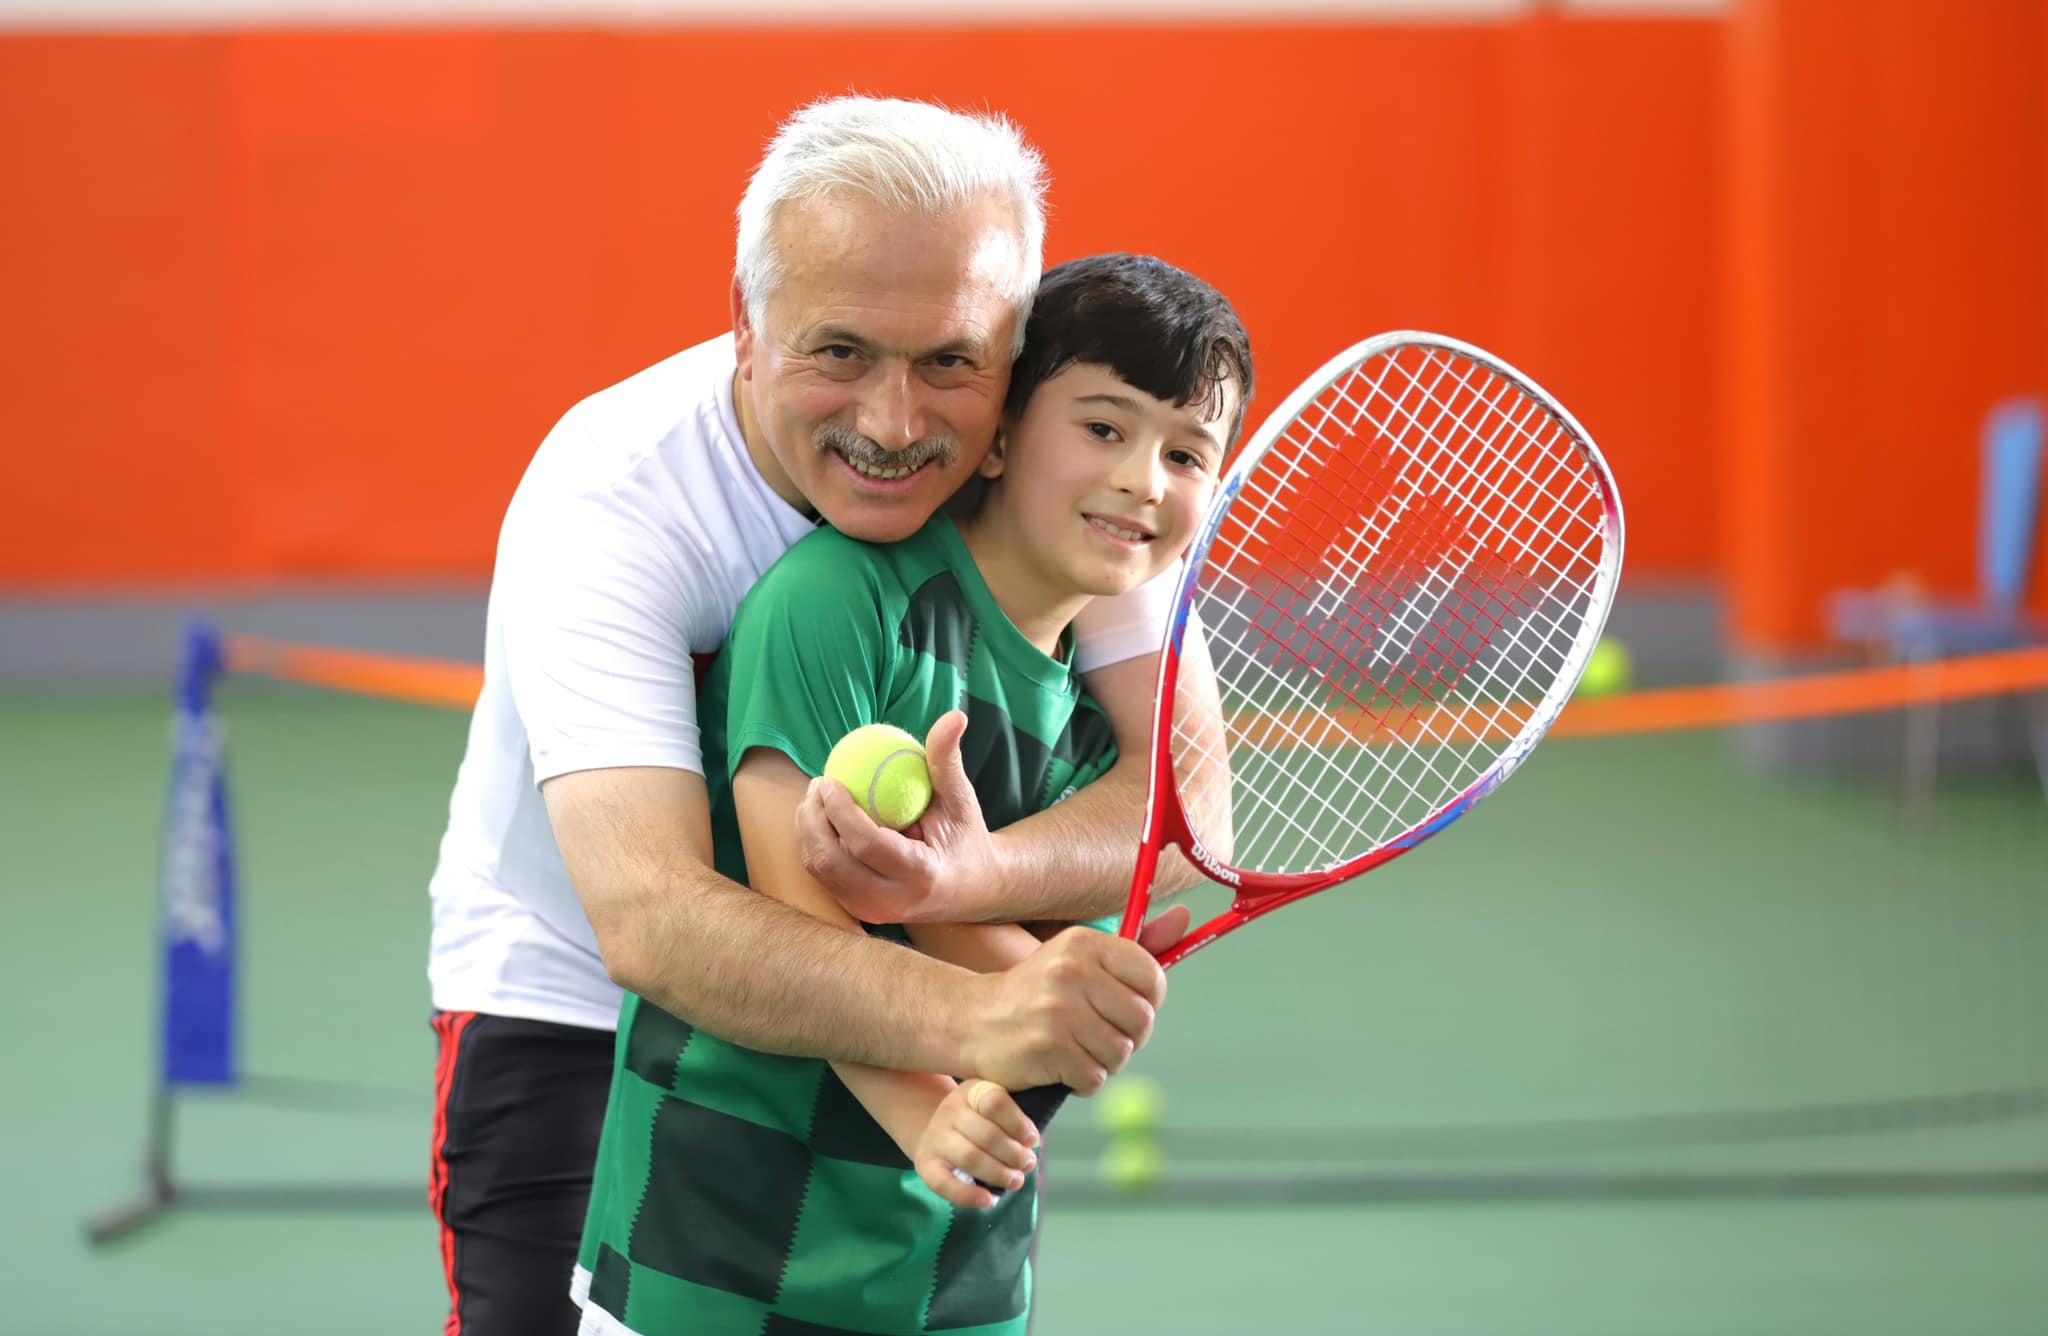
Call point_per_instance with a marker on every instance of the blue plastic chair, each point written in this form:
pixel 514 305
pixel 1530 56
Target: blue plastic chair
pixel 1908 629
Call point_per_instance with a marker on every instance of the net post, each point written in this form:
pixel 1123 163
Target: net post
pixel 159 1192
pixel 195 1021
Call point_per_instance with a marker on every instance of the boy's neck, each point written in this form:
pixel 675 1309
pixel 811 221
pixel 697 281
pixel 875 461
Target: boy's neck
pixel 1040 611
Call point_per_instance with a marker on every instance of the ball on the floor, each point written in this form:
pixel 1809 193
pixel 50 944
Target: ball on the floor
pixel 1133 1164
pixel 1609 670
pixel 1130 1105
pixel 884 768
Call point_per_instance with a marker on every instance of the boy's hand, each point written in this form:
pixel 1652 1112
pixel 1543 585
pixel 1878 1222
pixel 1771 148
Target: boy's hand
pixel 881 876
pixel 980 1131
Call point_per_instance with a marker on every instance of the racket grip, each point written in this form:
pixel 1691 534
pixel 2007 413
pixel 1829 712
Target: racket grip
pixel 1039 1104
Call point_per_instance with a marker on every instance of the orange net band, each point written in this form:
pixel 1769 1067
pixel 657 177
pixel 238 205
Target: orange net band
pixel 453 684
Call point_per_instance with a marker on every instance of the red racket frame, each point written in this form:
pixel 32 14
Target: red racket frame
pixel 1166 822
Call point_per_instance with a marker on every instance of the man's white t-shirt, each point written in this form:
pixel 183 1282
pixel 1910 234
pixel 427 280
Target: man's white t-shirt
pixel 639 525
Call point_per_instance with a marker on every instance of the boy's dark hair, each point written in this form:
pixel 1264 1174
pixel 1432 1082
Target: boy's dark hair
pixel 1158 328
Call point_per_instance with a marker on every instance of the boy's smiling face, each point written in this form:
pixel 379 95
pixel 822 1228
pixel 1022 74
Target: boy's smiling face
pixel 1102 485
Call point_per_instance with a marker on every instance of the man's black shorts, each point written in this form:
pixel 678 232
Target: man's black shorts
pixel 517 1109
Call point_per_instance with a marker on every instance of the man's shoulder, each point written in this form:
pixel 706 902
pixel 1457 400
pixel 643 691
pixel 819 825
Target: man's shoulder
pixel 656 400
pixel 657 457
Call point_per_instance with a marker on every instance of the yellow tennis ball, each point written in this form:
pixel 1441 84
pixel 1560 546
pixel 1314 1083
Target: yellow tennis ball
pixel 1133 1164
pixel 1130 1106
pixel 1608 669
pixel 883 767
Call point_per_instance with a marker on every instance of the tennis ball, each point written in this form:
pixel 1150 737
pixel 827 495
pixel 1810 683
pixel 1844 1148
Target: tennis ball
pixel 1608 669
pixel 1130 1105
pixel 1133 1164
pixel 883 767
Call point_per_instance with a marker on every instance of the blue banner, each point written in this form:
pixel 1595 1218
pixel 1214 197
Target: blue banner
pixel 198 881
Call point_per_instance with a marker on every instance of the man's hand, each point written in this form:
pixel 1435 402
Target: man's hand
pixel 1074 1011
pixel 880 876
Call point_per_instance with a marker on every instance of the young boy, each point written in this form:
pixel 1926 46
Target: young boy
pixel 739 1191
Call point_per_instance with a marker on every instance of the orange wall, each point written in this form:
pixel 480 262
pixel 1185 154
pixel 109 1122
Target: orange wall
pixel 286 305
pixel 1886 238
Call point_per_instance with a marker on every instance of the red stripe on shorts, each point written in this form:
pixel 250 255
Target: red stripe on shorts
pixel 449 1025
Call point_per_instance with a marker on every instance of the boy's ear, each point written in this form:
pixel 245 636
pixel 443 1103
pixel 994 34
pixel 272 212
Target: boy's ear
pixel 992 462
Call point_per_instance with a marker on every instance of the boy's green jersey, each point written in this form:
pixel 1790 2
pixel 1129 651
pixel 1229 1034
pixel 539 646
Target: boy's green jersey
pixel 738 1191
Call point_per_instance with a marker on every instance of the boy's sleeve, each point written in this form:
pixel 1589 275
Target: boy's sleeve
pixel 1123 626
pixel 810 656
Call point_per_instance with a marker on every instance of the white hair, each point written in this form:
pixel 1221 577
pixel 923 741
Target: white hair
pixel 914 156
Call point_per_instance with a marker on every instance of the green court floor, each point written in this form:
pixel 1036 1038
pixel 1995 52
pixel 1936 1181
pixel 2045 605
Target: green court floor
pixel 1773 977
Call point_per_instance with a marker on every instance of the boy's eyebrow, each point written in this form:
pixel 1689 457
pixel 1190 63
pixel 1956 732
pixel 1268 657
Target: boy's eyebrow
pixel 1130 405
pixel 1124 402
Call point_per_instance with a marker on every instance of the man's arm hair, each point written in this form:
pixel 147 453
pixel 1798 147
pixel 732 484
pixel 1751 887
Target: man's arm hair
pixel 637 844
pixel 1074 860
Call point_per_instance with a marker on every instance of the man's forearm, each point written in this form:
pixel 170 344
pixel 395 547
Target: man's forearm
pixel 1072 860
pixel 768 976
pixel 774 977
pixel 1075 860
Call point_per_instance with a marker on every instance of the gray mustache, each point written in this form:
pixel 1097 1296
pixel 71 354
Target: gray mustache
pixel 860 450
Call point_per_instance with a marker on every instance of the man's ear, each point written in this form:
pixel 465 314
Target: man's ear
pixel 992 462
pixel 743 332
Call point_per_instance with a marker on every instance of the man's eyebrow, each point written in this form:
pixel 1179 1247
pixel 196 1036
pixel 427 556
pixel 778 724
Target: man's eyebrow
pixel 964 346
pixel 839 334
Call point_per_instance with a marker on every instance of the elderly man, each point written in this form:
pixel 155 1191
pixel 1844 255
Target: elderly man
pixel 887 258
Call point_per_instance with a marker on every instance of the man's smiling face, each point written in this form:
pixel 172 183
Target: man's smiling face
pixel 873 381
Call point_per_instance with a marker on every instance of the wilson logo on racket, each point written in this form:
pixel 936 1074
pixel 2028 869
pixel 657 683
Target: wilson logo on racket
pixel 1209 864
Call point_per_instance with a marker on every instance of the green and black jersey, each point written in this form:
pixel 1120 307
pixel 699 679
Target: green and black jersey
pixel 739 1191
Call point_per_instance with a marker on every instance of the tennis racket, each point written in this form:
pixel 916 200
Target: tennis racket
pixel 1389 602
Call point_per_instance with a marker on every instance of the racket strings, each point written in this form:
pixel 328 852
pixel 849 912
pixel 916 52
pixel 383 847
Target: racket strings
pixel 1429 603
pixel 1558 449
pixel 1400 583
pixel 1493 613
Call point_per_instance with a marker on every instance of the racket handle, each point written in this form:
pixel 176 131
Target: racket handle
pixel 1039 1104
